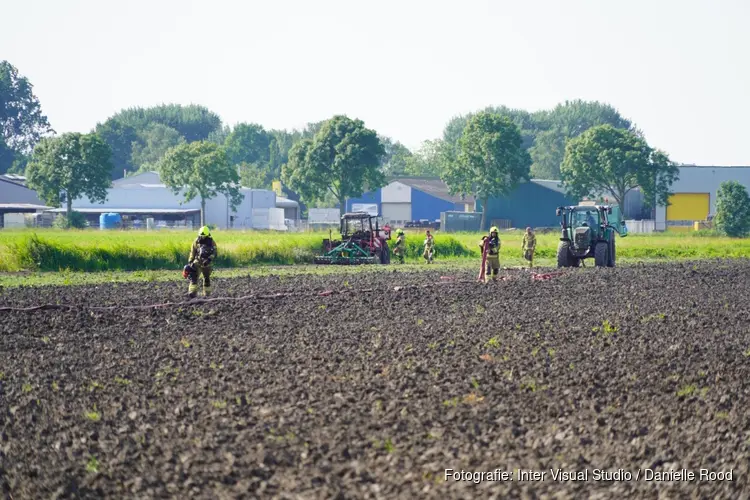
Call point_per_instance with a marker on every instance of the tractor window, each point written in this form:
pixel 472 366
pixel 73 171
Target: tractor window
pixel 587 217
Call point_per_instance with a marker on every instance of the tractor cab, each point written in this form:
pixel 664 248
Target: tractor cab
pixel 588 230
pixel 358 224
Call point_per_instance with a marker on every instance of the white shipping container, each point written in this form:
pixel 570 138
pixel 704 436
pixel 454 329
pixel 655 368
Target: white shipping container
pixel 14 221
pixel 323 216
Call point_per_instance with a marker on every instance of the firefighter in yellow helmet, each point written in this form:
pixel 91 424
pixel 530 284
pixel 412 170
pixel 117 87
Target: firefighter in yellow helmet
pixel 400 248
pixel 493 253
pixel 429 247
pixel 202 254
pixel 529 245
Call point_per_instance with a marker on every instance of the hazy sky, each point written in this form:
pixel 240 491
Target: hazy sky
pixel 678 68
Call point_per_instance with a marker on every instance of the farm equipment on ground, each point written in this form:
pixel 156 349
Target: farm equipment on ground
pixel 362 242
pixel 588 230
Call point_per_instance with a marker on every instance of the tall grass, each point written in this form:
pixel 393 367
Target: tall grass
pixel 87 250
pixel 53 250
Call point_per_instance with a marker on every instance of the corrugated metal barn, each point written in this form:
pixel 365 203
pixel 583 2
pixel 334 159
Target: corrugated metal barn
pixel 531 204
pixel 16 199
pixel 410 199
pixel 694 197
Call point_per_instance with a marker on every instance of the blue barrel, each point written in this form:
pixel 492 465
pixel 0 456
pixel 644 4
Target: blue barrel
pixel 109 221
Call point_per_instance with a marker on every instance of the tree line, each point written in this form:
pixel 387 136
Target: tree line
pixel 587 145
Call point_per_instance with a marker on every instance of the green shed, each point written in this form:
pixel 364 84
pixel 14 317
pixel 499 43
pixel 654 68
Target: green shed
pixel 532 204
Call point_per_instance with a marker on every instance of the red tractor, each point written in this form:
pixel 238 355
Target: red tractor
pixel 362 242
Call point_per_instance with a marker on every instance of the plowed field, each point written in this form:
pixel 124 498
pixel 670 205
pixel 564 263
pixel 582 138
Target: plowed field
pixel 374 390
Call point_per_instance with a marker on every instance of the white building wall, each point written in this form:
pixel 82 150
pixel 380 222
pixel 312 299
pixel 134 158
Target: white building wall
pixel 395 192
pixel 703 180
pixel 217 209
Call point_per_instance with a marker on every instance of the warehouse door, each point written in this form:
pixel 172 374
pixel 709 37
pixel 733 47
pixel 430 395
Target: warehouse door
pixel 686 208
pixel 397 212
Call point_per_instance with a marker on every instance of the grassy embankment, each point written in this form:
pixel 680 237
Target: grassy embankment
pixel 160 255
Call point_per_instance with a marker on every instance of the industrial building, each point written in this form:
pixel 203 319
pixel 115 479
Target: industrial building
pixel 143 196
pixel 410 199
pixel 531 204
pixel 694 196
pixel 16 200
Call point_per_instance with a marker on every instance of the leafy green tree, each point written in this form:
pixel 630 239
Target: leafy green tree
pixel 544 133
pixel 193 122
pixel 200 169
pixel 253 176
pixel 343 157
pixel 74 164
pixel 605 159
pixel 566 121
pixel 732 209
pixel 22 123
pixel 130 127
pixel 120 137
pixel 396 157
pixel 491 159
pixel 248 143
pixel 153 142
pixel 427 161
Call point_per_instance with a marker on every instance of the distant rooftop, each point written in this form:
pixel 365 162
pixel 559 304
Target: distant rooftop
pixel 16 179
pixel 432 186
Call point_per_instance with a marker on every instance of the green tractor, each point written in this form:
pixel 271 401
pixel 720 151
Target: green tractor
pixel 588 230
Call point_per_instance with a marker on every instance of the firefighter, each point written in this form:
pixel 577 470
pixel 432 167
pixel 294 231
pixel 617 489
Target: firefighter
pixel 529 245
pixel 202 254
pixel 400 249
pixel 429 245
pixel 493 253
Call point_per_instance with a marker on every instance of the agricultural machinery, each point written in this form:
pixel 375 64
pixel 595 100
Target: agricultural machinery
pixel 588 230
pixel 362 242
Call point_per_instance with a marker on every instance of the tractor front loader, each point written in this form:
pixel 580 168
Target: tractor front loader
pixel 588 230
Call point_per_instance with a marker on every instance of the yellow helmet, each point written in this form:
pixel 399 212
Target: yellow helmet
pixel 494 229
pixel 399 231
pixel 204 231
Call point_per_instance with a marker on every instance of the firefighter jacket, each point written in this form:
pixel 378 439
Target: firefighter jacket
pixel 529 241
pixel 209 245
pixel 493 249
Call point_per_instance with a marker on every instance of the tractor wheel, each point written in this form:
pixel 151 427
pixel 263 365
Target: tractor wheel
pixel 385 254
pixel 563 254
pixel 612 251
pixel 601 254
pixel 575 262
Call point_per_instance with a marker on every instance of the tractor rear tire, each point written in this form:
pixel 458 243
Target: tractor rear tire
pixel 612 251
pixel 601 254
pixel 563 254
pixel 385 254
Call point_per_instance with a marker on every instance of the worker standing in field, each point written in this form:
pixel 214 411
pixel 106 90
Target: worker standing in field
pixel 529 245
pixel 202 254
pixel 429 245
pixel 400 249
pixel 493 252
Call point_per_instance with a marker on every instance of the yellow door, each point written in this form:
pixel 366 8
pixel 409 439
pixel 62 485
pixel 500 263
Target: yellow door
pixel 686 208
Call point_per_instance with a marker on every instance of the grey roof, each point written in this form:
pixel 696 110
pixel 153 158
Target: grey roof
pixel 22 206
pixel 432 186
pixel 285 203
pixel 131 210
pixel 713 166
pixel 554 185
pixel 14 178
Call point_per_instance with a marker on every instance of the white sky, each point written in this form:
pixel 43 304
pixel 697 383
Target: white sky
pixel 679 69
